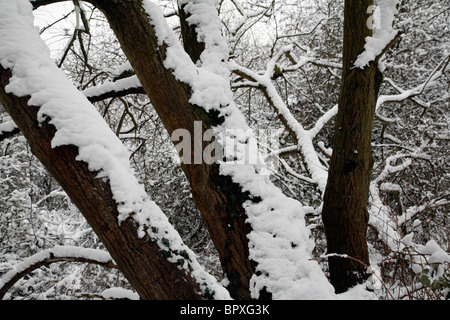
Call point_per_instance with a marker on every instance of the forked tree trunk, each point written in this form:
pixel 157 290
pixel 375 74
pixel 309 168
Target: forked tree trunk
pixel 217 197
pixel 219 200
pixel 345 213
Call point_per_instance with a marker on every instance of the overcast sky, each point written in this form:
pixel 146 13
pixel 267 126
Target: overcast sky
pixel 57 36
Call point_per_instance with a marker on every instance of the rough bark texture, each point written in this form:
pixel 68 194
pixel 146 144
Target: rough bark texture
pixel 217 197
pixel 345 214
pixel 140 259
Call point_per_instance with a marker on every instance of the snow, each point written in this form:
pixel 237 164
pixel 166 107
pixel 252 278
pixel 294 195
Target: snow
pixel 78 123
pixel 438 255
pixel 390 187
pixel 110 86
pixel 383 33
pixel 7 126
pixel 208 87
pixel 358 292
pixel 434 253
pixel 125 67
pixel 119 293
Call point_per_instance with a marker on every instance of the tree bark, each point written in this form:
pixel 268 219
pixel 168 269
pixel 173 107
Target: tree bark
pixel 140 259
pixel 219 200
pixel 345 213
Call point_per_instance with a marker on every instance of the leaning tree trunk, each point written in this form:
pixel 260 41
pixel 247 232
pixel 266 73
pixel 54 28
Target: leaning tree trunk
pixel 139 258
pixel 345 213
pixel 217 197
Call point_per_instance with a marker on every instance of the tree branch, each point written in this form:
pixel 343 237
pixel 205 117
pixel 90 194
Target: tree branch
pixel 438 71
pixel 53 255
pixel 303 137
pixel 109 90
pixel 38 3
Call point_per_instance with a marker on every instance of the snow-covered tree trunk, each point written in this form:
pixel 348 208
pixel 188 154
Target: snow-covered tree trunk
pixel 140 259
pixel 216 196
pixel 260 234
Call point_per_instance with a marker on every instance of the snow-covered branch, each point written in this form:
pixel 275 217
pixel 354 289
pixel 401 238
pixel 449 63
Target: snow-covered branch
pixel 414 211
pixel 304 137
pixel 320 123
pixel 438 71
pixel 109 89
pixel 381 217
pixel 8 129
pixel 53 255
pixel 246 19
pixel 390 169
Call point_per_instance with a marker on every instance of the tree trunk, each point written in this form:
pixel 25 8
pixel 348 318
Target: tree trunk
pixel 217 197
pixel 139 258
pixel 345 214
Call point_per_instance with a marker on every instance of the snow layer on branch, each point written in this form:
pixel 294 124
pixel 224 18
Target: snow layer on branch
pixel 431 248
pixel 381 219
pixel 280 241
pixel 76 120
pixel 112 86
pixel 318 172
pixel 78 123
pixel 56 252
pixel 383 32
